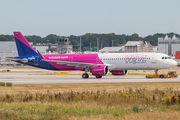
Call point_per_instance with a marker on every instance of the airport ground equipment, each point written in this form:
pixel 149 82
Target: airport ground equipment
pixel 6 84
pixel 170 74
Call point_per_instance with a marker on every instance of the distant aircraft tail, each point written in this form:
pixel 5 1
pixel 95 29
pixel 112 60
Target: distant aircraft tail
pixel 23 46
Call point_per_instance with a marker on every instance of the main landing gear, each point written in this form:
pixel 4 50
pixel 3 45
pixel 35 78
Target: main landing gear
pixel 98 76
pixel 85 75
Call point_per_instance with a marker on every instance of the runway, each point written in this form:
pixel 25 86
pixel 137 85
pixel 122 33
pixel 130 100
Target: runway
pixel 31 78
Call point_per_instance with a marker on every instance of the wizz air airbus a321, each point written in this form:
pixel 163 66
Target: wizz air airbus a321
pixel 98 64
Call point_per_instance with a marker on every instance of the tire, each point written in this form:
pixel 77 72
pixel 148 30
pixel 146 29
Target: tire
pixel 98 76
pixel 161 76
pixel 84 76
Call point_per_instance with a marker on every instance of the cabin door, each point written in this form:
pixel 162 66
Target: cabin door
pixel 36 60
pixel 70 59
pixel 153 61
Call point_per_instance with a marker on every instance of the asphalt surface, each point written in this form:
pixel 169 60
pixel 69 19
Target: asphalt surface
pixel 36 78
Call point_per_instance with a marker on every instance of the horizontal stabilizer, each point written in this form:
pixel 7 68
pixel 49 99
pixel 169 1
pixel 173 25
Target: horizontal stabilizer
pixel 24 60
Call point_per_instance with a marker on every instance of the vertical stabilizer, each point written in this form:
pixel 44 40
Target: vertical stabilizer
pixel 23 46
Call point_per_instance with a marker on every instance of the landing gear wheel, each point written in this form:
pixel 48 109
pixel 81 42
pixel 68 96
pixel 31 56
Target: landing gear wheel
pixel 98 76
pixel 161 76
pixel 85 75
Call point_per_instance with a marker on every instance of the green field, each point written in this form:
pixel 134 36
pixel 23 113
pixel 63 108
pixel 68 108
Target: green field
pixel 91 101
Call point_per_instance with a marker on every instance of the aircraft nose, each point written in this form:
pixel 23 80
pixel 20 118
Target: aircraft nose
pixel 173 63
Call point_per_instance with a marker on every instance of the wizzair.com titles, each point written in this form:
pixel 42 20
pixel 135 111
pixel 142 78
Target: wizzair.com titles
pixel 58 57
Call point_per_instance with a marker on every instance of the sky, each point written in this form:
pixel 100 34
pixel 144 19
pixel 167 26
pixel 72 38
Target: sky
pixel 78 17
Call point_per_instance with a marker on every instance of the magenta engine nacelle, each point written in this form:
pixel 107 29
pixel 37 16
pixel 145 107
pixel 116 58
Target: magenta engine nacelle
pixel 119 72
pixel 99 70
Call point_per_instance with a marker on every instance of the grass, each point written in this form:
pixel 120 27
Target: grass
pixel 58 87
pixel 91 101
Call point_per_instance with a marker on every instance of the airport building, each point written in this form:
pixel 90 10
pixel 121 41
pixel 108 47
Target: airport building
pixel 112 49
pixel 138 46
pixel 131 47
pixel 63 46
pixel 7 49
pixel 168 45
pixel 41 48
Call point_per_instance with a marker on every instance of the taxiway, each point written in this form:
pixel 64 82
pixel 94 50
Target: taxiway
pixel 37 78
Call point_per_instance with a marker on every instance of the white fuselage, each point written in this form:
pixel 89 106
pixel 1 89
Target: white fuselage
pixel 137 61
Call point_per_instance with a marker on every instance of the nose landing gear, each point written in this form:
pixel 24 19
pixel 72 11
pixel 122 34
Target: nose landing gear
pixel 156 71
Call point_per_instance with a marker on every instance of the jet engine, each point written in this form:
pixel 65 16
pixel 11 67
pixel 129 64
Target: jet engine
pixel 99 70
pixel 119 72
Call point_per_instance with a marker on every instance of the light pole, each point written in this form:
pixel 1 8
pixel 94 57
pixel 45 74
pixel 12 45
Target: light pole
pixel 112 42
pixel 4 51
pixel 48 42
pixel 97 44
pixel 90 46
pixel 80 45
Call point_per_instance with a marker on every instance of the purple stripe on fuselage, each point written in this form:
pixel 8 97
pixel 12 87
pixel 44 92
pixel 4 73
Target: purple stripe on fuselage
pixel 81 58
pixel 20 37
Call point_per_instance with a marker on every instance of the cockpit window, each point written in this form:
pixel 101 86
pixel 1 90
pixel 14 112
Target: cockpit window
pixel 166 57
